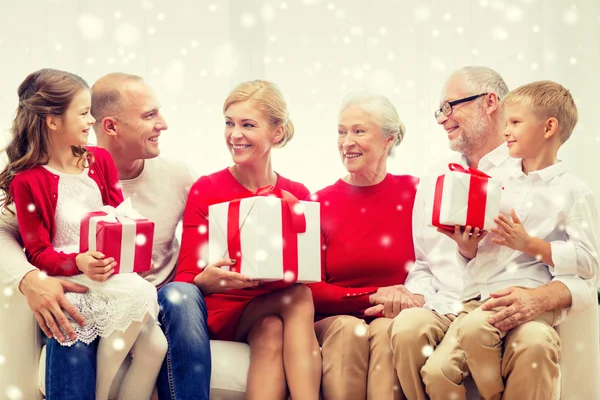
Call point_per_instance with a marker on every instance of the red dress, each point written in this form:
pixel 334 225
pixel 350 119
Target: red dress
pixel 367 242
pixel 224 309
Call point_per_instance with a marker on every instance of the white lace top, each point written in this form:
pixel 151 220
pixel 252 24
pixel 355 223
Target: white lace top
pixel 110 305
pixel 77 196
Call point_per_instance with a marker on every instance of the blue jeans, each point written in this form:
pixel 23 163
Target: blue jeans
pixel 185 373
pixel 71 371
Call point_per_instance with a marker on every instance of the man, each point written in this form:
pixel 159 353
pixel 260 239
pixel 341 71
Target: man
pixel 470 115
pixel 128 125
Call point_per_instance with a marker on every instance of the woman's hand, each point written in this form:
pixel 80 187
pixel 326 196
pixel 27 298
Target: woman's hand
pixel 390 300
pixel 214 279
pixel 467 242
pixel 95 266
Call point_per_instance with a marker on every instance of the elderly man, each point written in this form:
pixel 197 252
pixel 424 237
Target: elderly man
pixel 469 112
pixel 128 125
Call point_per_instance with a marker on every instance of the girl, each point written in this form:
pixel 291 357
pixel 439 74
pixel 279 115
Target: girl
pixel 276 319
pixel 54 179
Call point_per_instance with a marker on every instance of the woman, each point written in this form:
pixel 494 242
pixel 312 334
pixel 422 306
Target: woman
pixel 367 246
pixel 276 319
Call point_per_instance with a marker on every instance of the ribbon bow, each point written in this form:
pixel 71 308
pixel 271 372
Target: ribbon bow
pixel 125 209
pixel 471 171
pixel 291 210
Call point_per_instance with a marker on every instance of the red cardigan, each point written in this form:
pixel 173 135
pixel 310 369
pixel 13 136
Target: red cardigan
pixel 35 193
pixel 367 242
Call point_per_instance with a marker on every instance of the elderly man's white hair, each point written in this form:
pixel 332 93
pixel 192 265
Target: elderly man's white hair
pixel 383 112
pixel 483 80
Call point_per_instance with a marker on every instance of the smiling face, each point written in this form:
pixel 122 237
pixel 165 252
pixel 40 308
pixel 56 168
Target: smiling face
pixel 467 126
pixel 140 123
pixel 76 122
pixel 361 143
pixel 524 131
pixel 248 134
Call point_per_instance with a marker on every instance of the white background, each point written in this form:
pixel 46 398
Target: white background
pixel 192 52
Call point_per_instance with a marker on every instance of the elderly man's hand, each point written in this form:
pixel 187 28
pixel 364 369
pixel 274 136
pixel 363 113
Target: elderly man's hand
pixel 46 298
pixel 520 305
pixel 390 300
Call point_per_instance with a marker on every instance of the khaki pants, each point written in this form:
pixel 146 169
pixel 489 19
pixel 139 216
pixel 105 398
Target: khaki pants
pixel 357 361
pixel 414 333
pixel 529 364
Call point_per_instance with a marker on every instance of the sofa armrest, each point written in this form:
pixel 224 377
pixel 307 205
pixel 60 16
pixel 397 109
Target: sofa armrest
pixel 20 345
pixel 580 355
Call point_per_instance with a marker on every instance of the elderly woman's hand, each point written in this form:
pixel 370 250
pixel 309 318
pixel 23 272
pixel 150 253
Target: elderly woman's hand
pixel 390 300
pixel 214 279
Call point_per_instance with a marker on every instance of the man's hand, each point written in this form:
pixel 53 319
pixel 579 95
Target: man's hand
pixel 45 296
pixel 213 279
pixel 466 240
pixel 390 300
pixel 521 305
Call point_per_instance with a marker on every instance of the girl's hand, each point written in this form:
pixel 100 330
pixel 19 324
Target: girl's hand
pixel 467 242
pixel 95 266
pixel 511 232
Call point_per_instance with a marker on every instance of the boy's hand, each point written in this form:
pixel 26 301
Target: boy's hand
pixel 95 266
pixel 466 240
pixel 510 232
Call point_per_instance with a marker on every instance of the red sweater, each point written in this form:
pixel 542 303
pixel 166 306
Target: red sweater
pixel 224 309
pixel 367 242
pixel 35 192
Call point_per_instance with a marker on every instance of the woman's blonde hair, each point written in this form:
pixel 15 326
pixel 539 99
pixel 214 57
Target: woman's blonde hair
pixel 269 100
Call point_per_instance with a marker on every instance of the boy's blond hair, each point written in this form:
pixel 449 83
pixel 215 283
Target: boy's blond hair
pixel 547 99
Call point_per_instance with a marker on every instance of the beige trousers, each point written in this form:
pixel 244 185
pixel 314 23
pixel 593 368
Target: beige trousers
pixel 526 358
pixel 529 363
pixel 357 361
pixel 414 333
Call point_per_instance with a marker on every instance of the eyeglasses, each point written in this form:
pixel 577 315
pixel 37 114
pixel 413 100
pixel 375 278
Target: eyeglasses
pixel 447 106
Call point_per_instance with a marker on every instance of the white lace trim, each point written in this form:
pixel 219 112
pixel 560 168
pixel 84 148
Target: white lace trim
pixel 111 306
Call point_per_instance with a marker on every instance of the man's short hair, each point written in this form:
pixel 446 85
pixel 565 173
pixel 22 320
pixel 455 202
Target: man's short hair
pixel 483 80
pixel 107 99
pixel 547 99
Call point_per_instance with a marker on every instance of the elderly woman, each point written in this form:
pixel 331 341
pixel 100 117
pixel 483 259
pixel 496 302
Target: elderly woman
pixel 367 247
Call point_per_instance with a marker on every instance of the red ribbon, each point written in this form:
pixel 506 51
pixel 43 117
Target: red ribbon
pixel 476 202
pixel 293 220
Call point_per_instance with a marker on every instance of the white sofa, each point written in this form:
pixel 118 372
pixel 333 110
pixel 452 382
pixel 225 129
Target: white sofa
pixel 22 373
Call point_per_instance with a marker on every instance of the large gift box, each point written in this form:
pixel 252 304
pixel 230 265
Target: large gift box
pixel 121 233
pixel 466 197
pixel 272 236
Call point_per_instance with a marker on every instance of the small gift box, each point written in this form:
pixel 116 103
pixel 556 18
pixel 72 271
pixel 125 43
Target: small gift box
pixel 273 236
pixel 121 233
pixel 466 197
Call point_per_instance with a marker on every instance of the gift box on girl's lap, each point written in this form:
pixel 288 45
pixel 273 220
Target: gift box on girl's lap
pixel 271 238
pixel 121 233
pixel 466 197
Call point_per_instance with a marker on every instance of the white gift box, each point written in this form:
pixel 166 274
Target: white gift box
pixel 466 199
pixel 261 237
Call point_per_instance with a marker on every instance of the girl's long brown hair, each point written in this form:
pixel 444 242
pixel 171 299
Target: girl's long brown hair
pixel 43 93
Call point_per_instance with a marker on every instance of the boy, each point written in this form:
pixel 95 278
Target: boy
pixel 552 230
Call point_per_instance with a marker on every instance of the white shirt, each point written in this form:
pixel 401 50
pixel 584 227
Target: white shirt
pixel 552 205
pixel 159 193
pixel 437 273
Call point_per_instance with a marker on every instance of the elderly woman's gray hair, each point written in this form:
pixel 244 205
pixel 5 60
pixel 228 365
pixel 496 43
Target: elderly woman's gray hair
pixel 383 112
